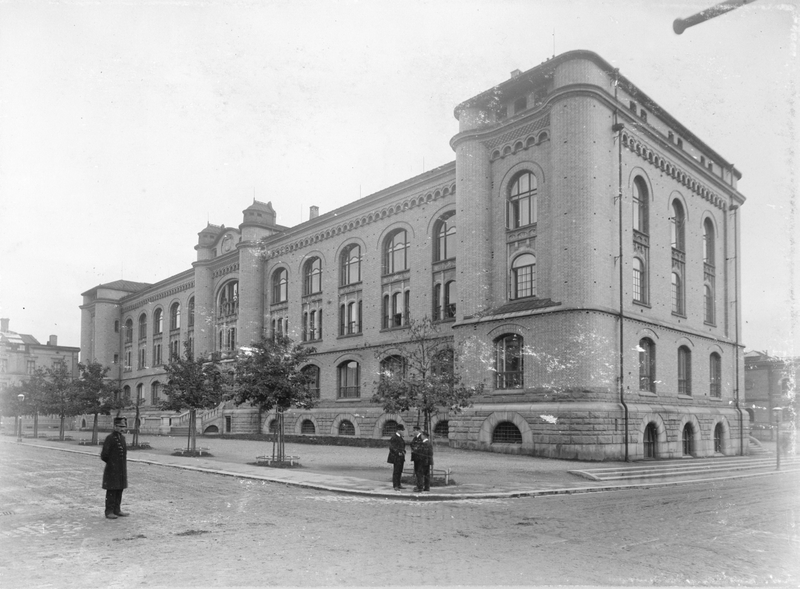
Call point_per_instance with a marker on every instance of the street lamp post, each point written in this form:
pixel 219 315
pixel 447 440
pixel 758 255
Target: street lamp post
pixel 20 399
pixel 778 411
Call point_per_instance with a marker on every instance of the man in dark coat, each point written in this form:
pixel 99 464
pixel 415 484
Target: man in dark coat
pixel 397 456
pixel 115 475
pixel 422 455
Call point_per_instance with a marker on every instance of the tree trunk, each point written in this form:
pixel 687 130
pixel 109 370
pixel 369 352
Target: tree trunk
pixel 281 453
pixel 94 430
pixel 136 427
pixel 192 431
pixel 36 424
pixel 61 427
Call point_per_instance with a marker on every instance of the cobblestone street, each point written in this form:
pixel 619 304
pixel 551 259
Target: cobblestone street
pixel 197 529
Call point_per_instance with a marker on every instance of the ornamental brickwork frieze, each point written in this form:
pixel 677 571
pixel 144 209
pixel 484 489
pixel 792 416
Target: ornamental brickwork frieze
pixel 520 138
pixel 226 270
pixel 441 191
pixel 649 155
pixel 158 297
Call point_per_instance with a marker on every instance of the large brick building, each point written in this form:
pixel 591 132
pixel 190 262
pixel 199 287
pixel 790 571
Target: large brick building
pixel 581 252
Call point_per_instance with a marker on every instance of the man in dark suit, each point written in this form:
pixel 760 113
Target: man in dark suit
pixel 115 475
pixel 422 455
pixel 397 456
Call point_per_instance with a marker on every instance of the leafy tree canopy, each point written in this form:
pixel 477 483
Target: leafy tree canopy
pixel 193 382
pixel 269 375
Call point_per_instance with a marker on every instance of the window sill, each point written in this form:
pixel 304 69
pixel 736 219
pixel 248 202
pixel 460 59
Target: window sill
pixel 647 394
pixel 348 335
pixel 398 328
pixel 347 399
pixel 642 304
pixel 445 320
pixel 716 399
pixel 709 323
pixel 685 397
pixel 681 315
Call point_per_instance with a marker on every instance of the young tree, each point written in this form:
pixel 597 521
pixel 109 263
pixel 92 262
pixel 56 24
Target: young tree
pixel 35 391
pixel 193 383
pixel 269 376
pixel 97 394
pixel 418 374
pixel 61 394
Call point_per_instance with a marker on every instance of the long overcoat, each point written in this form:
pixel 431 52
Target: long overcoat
pixel 115 455
pixel 397 449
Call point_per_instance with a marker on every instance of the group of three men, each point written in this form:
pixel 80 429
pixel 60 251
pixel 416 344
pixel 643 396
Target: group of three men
pixel 421 455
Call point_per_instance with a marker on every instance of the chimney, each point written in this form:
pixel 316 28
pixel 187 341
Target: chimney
pixel 515 73
pixel 53 341
pixel 4 324
pixel 313 213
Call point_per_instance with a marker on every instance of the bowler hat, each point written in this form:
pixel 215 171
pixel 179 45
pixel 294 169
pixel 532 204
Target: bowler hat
pixel 121 421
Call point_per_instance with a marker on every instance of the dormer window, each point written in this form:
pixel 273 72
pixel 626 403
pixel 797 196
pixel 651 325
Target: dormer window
pixel 632 106
pixel 520 104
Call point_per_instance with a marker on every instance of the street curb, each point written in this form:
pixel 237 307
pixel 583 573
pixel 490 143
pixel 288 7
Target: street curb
pixel 427 496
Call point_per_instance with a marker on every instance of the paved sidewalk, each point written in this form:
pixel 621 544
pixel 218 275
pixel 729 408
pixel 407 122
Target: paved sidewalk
pixel 364 471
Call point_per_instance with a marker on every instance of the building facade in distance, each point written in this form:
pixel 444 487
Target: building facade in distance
pixel 580 253
pixel 21 354
pixel 770 384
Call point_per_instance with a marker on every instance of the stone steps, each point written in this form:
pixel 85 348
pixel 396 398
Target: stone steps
pixel 695 468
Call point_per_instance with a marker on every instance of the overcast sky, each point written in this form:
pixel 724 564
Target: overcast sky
pixel 126 126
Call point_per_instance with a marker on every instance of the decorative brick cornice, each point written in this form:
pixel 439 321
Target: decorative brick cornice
pixel 158 296
pixel 226 270
pixel 520 138
pixel 652 157
pixel 431 195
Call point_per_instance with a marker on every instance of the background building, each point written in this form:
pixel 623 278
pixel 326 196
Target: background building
pixel 581 253
pixel 770 383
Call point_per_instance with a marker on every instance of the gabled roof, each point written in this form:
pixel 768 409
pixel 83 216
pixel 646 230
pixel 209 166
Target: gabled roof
pixel 123 285
pixel 11 337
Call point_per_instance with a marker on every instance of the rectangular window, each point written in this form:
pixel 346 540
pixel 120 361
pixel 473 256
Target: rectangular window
pixel 715 375
pixel 156 354
pixel 684 371
pixel 116 359
pixel 32 366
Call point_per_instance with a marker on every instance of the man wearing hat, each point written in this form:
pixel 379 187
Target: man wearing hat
pixel 397 455
pixel 115 475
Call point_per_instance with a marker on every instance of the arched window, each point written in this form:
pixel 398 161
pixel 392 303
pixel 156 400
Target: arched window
pixel 139 393
pixel 126 393
pixel 650 441
pixel 280 282
pixel 395 252
pixel 389 428
pixel 677 294
pixel 312 276
pixel 443 364
pixel 641 201
pixel 688 436
pixel 715 375
pixel 142 326
pixel 175 316
pixel 155 388
pixel 445 238
pixel 708 303
pixel 677 223
pixel 311 372
pixel 639 281
pixel 684 371
pixel 647 365
pixel 273 426
pixel 308 428
pixel 523 269
pixel 158 322
pixel 129 331
pixel 718 433
pixel 508 362
pixel 191 313
pixel 228 301
pixel 523 201
pixel 442 429
pixel 708 242
pixel 346 428
pixel 506 432
pixel 351 265
pixel 349 380
pixel 393 368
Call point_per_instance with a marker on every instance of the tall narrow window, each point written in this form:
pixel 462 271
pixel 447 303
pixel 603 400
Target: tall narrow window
pixel 640 205
pixel 387 311
pixel 677 223
pixel 524 274
pixel 684 371
pixel 353 324
pixel 228 302
pixel 647 365
pixel 175 316
pixel 158 322
pixel 523 201
pixel 450 300
pixel 445 234
pixel 715 375
pixel 397 309
pixel 437 302
pixel 708 303
pixel 718 438
pixel 677 294
pixel 191 313
pixel 508 362
pixel 312 277
pixel 142 326
pixel 708 242
pixel 280 281
pixel 351 265
pixel 155 388
pixel 312 374
pixel 395 253
pixel 639 281
pixel 129 331
pixel 349 387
